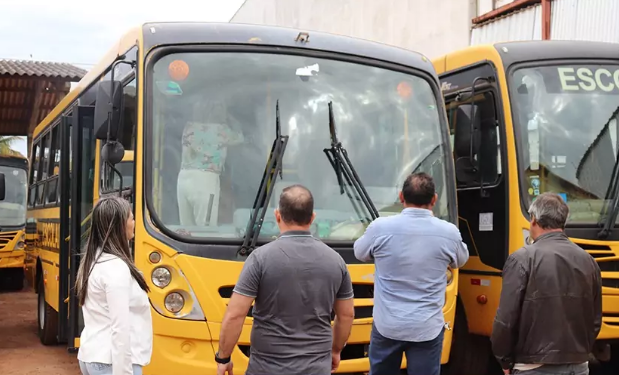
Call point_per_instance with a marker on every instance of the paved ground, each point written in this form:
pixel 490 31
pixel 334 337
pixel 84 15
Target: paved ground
pixel 21 352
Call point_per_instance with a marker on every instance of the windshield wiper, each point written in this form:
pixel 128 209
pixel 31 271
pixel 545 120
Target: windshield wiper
pixel 610 211
pixel 338 157
pixel 261 202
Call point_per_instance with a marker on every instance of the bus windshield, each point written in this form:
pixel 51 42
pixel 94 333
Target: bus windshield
pixel 213 122
pixel 13 207
pixel 566 119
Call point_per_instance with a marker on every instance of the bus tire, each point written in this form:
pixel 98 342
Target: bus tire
pixel 470 354
pixel 47 318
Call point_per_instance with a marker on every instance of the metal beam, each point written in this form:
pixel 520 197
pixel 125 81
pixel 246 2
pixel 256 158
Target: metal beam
pixel 546 18
pixel 508 8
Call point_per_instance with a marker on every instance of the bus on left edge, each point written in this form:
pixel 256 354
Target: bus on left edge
pixel 13 193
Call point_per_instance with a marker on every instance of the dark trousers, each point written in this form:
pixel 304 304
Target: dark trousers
pixel 422 358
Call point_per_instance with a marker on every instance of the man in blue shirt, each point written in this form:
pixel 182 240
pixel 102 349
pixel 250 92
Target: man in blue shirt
pixel 411 253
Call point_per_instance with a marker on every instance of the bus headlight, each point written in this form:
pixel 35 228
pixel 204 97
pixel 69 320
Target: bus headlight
pixel 161 277
pixel 21 244
pixel 450 276
pixel 174 302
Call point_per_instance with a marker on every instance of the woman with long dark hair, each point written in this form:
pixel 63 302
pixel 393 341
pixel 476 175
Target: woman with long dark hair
pixel 117 336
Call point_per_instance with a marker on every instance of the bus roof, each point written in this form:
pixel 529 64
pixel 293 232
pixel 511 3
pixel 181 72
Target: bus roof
pixel 516 52
pixel 174 33
pixel 159 34
pixel 16 161
pixel 530 50
pixel 127 41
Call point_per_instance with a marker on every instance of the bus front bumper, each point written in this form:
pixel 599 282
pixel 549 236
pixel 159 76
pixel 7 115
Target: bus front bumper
pixel 188 347
pixel 12 259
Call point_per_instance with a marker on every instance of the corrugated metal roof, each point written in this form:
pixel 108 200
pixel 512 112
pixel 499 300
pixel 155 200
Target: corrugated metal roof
pixel 585 20
pixel 29 90
pixel 524 24
pixel 41 69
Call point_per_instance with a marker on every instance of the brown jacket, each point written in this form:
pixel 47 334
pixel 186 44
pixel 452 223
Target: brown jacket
pixel 551 304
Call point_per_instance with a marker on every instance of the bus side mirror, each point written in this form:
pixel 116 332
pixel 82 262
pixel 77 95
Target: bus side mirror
pixel 467 139
pixel 108 107
pixel 112 152
pixel 2 187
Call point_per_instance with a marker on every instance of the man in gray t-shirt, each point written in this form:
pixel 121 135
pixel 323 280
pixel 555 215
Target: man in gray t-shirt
pixel 297 282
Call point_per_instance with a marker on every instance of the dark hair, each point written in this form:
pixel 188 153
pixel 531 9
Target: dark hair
pixel 418 189
pixel 107 234
pixel 296 205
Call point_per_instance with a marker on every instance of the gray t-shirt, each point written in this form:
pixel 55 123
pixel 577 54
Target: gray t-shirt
pixel 295 281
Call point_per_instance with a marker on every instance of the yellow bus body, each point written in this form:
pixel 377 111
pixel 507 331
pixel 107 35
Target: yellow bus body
pixel 480 283
pixel 12 229
pixel 184 342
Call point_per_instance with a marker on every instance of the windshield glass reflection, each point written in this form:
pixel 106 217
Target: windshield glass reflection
pixel 213 124
pixel 13 207
pixel 566 117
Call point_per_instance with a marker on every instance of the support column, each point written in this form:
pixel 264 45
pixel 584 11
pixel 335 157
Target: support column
pixel 546 19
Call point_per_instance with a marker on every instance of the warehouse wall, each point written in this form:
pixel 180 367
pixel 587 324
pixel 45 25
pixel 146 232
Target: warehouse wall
pixel 596 20
pixel 432 27
pixel 525 24
pixel 585 20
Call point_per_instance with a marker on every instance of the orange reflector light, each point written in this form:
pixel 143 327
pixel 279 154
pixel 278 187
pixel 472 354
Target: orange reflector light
pixel 178 70
pixel 404 89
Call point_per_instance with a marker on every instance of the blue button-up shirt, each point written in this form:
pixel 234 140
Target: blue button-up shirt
pixel 411 252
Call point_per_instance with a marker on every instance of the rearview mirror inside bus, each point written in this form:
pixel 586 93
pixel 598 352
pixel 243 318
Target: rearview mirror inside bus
pixel 2 187
pixel 107 110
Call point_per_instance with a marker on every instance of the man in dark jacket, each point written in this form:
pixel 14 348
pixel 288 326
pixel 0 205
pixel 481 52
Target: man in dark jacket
pixel 550 311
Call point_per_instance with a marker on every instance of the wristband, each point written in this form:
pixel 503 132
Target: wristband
pixel 222 361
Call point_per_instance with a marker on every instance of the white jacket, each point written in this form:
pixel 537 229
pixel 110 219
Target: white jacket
pixel 117 318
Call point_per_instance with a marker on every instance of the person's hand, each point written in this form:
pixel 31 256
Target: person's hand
pixel 224 369
pixel 506 372
pixel 335 361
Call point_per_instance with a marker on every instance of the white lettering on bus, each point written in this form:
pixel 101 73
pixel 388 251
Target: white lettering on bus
pixel 587 80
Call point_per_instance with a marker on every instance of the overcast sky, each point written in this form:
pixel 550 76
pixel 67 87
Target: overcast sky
pixel 81 32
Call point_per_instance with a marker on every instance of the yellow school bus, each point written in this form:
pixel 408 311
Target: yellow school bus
pixel 13 193
pixel 348 118
pixel 527 118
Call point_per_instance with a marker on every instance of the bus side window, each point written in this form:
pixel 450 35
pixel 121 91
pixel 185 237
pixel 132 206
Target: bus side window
pixel 34 168
pixel 53 166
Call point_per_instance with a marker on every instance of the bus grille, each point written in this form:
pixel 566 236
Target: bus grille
pixel 359 290
pixel 351 351
pixel 5 238
pixel 607 260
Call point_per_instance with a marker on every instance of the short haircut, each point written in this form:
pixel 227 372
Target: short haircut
pixel 296 205
pixel 550 211
pixel 418 189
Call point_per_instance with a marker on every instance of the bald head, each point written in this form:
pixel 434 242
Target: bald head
pixel 418 190
pixel 296 205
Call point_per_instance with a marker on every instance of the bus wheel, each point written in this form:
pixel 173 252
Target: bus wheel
pixel 47 322
pixel 470 354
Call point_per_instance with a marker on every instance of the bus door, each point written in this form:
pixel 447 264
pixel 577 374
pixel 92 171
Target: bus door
pixel 76 208
pixel 476 124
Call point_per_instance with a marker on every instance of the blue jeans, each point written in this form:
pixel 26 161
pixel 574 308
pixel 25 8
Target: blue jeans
pixel 422 358
pixel 580 369
pixel 94 368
